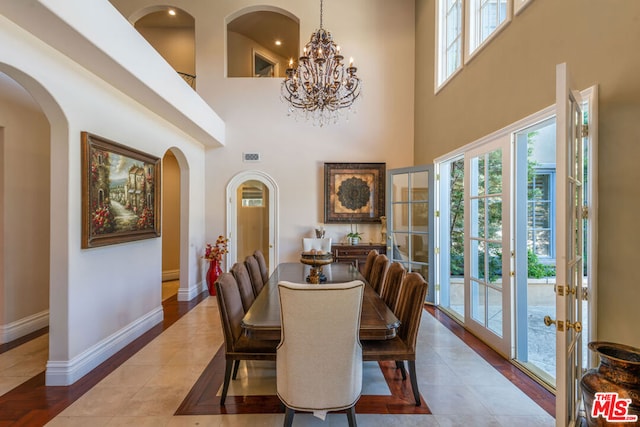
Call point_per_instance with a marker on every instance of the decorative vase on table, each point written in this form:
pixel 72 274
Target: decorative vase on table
pixel 212 275
pixel 618 372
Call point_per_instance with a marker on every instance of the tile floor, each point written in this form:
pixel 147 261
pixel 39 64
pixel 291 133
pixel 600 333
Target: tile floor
pixel 460 388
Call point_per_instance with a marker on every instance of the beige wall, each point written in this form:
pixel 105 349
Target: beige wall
pixel 24 170
pixel 170 217
pixel 176 45
pixel 514 76
pixel 239 56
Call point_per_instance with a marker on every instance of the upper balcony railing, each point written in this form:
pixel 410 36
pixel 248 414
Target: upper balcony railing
pixel 189 78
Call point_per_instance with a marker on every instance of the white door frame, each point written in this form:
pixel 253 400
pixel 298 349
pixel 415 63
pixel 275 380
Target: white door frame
pixel 232 215
pixel 502 343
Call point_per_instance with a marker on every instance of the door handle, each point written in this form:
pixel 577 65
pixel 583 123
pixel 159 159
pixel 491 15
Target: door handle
pixel 577 326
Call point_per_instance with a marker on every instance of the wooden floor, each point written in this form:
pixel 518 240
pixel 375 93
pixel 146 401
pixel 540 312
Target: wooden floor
pixel 34 404
pixel 202 399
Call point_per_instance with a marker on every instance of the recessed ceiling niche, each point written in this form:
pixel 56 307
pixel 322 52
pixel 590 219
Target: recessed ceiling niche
pixel 173 36
pixel 261 43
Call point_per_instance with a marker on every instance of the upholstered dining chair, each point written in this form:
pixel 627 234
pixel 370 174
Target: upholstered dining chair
pixel 378 273
pixel 264 270
pixel 392 285
pixel 254 273
pixel 241 274
pixel 237 345
pixel 319 359
pixel 371 257
pixel 403 347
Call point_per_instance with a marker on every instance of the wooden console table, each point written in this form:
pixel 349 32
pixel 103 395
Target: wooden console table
pixel 355 254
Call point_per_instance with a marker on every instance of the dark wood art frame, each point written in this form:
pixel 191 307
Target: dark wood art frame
pixel 120 193
pixel 354 192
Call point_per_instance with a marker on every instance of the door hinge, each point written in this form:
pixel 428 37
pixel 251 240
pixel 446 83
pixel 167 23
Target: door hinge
pixel 437 251
pixel 437 287
pixel 437 213
pixel 585 293
pixel 585 130
pixel 585 212
pixel 437 177
pixel 513 274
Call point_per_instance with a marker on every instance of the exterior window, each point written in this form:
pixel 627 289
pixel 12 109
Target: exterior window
pixel 540 214
pixel 457 38
pixel 449 38
pixel 485 17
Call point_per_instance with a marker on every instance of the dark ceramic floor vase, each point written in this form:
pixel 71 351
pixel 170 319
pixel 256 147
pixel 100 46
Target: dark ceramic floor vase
pixel 618 372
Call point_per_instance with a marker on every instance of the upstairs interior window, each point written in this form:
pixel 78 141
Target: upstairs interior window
pixel 462 28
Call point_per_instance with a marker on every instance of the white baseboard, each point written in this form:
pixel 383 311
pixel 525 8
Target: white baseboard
pixel 170 275
pixel 66 372
pixel 26 325
pixel 192 292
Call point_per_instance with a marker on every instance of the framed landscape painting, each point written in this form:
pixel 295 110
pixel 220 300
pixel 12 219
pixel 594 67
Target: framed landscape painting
pixel 120 193
pixel 354 192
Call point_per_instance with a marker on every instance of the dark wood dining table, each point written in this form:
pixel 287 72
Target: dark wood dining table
pixel 262 320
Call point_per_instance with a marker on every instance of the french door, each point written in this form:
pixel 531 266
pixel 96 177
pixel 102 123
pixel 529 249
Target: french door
pixel 410 220
pixel 569 250
pixel 488 243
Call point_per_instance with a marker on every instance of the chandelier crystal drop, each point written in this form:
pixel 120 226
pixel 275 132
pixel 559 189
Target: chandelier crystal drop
pixel 321 86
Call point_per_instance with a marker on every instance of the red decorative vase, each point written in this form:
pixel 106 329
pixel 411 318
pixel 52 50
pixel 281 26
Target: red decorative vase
pixel 212 275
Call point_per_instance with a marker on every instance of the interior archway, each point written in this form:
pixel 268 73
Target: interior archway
pixel 261 41
pixel 171 31
pixel 170 225
pixel 234 202
pixel 51 155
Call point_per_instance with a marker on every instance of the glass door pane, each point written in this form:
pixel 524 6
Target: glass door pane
pixel 535 175
pixel 409 199
pixel 487 235
pixel 451 237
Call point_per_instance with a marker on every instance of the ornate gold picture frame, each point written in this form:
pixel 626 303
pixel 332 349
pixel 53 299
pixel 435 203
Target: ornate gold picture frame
pixel 354 192
pixel 120 193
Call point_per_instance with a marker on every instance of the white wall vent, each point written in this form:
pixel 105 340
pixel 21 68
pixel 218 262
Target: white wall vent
pixel 251 157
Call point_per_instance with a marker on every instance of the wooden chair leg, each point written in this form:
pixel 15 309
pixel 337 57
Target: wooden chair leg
pixel 351 416
pixel 400 365
pixel 414 381
pixel 235 369
pixel 288 417
pixel 227 378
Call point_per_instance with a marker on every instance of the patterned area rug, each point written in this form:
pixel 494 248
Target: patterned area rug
pixel 204 399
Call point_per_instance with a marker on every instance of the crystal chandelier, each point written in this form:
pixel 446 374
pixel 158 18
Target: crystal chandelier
pixel 320 86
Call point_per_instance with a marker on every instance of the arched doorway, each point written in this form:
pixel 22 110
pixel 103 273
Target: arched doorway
pixel 170 225
pixel 252 217
pixel 23 313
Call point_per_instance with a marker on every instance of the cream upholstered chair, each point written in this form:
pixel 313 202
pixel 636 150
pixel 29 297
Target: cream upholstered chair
pixel 319 359
pixel 264 270
pixel 323 244
pixel 237 345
